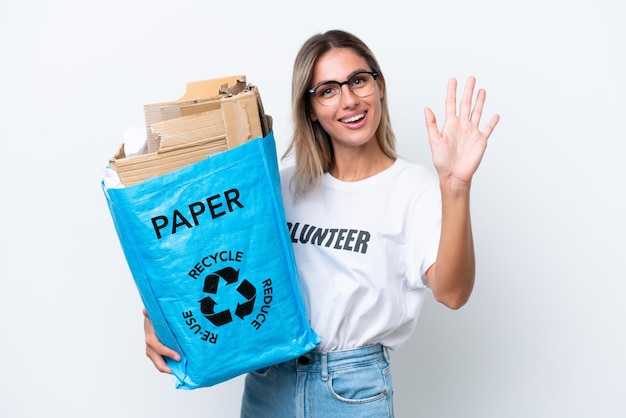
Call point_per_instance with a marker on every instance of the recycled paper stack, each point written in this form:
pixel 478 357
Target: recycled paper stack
pixel 213 116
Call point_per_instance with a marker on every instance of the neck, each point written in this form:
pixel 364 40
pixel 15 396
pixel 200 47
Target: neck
pixel 354 164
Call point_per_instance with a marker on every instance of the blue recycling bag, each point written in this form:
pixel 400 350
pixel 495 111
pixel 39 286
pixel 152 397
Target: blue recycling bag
pixel 210 254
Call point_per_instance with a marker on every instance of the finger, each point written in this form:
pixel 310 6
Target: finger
pixel 431 123
pixel 154 345
pixel 477 111
pixel 466 100
pixel 487 130
pixel 451 98
pixel 158 361
pixel 155 350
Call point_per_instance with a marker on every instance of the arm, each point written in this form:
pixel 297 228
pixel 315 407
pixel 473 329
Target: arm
pixel 457 151
pixel 154 349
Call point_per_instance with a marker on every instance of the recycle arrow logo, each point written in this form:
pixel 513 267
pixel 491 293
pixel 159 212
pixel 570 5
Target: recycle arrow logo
pixel 213 283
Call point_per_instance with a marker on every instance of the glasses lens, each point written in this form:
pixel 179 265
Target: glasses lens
pixel 361 84
pixel 328 92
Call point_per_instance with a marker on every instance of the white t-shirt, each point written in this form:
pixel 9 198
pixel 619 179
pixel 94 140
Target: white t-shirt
pixel 362 250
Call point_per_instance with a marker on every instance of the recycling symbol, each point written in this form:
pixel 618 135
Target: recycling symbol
pixel 222 280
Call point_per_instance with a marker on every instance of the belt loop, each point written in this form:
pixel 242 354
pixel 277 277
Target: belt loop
pixel 324 366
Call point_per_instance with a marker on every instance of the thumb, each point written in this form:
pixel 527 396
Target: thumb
pixel 431 123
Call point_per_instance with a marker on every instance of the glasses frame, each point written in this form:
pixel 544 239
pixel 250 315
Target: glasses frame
pixel 313 90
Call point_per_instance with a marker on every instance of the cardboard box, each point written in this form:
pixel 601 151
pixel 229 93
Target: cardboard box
pixel 212 116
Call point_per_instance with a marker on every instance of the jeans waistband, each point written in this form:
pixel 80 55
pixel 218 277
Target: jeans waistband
pixel 322 361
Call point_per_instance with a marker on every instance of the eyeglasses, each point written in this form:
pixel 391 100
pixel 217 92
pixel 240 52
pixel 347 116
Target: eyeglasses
pixel 361 84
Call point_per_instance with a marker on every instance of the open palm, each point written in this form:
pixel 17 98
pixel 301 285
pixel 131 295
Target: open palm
pixel 460 145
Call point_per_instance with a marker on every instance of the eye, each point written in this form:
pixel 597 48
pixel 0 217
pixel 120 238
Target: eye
pixel 359 80
pixel 327 90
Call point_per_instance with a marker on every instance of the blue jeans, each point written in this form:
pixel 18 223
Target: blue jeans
pixel 352 384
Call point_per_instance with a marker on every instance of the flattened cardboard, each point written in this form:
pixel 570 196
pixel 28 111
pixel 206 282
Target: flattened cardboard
pixel 202 96
pixel 183 141
pixel 212 116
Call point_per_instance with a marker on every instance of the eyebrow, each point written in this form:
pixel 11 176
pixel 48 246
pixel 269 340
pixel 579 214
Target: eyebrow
pixel 360 70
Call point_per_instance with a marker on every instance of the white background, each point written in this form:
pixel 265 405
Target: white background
pixel 543 334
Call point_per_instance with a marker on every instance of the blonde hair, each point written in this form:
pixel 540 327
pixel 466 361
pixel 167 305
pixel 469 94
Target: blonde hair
pixel 313 150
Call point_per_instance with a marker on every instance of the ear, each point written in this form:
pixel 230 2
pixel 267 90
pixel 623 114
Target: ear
pixel 381 86
pixel 313 116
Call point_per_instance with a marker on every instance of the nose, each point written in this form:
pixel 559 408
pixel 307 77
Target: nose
pixel 347 97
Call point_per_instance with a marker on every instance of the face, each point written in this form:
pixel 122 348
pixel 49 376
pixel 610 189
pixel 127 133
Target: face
pixel 352 121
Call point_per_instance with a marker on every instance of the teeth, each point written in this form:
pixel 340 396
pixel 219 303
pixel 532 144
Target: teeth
pixel 354 118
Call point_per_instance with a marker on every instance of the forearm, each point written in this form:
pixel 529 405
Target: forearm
pixel 453 278
pixel 457 151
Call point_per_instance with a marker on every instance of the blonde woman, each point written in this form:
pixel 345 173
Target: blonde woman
pixel 373 234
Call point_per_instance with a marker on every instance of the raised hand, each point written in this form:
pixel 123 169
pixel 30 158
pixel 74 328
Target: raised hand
pixel 460 145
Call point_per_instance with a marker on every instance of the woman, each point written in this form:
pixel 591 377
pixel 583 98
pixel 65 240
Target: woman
pixel 372 233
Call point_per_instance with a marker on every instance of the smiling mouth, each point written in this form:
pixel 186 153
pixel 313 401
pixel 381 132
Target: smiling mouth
pixel 354 118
